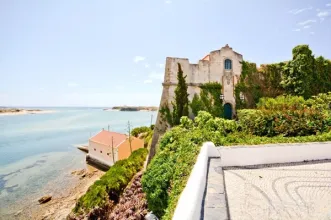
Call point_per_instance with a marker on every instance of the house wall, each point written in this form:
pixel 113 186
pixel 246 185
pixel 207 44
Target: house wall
pixel 99 152
pixel 124 150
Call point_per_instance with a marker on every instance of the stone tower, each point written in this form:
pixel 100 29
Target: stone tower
pixel 222 66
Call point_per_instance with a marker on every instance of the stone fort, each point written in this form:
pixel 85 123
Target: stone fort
pixel 222 66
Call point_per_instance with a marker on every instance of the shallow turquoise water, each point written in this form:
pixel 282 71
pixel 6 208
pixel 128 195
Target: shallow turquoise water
pixel 37 150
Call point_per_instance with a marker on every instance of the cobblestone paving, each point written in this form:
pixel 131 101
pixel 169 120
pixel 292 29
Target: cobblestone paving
pixel 280 193
pixel 214 202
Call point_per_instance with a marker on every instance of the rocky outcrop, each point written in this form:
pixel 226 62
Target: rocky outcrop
pixel 134 108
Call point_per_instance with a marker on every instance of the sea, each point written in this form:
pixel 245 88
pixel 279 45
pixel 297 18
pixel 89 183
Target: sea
pixel 38 152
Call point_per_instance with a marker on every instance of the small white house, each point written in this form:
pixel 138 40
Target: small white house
pixel 108 147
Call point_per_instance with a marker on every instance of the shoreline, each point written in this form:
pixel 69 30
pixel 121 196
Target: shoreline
pixel 27 112
pixel 60 206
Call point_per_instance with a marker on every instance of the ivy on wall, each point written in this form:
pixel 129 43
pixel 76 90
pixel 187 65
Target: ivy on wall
pixel 303 75
pixel 208 100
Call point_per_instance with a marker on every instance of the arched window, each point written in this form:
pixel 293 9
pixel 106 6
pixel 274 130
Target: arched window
pixel 228 64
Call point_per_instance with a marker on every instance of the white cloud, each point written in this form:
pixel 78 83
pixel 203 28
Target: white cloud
pixel 307 26
pixel 147 65
pixel 297 11
pixel 72 84
pixel 168 2
pixel 158 76
pixel 312 32
pixel 306 22
pixel 323 14
pixel 161 65
pixel 147 81
pixel 298 29
pixel 328 5
pixel 137 59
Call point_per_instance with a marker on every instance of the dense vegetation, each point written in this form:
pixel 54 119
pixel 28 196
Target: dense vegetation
pixel 168 172
pixel 139 130
pixel 145 133
pixel 104 193
pixel 180 107
pixel 287 116
pixel 208 100
pixel 304 76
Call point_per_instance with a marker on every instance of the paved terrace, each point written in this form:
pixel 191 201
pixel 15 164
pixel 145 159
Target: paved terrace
pixel 279 191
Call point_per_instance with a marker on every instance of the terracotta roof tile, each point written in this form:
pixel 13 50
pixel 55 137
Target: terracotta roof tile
pixel 206 57
pixel 105 137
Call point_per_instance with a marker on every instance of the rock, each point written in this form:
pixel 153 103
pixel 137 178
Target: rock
pixel 83 176
pixel 18 213
pixel 44 199
pixel 78 172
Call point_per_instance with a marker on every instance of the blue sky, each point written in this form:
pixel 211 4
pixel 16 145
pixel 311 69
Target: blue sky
pixel 105 53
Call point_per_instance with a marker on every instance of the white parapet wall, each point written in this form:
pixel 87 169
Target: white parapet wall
pixel 274 153
pixel 190 201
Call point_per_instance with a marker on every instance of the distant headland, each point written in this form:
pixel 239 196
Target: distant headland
pixel 18 111
pixel 132 108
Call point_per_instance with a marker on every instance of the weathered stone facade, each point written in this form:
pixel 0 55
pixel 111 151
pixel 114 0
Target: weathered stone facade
pixel 209 69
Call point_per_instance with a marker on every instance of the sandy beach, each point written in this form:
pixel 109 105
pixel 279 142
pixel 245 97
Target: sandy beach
pixel 26 112
pixel 61 205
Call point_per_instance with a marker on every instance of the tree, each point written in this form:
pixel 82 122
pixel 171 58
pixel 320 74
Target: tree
pixel 180 104
pixel 322 80
pixel 298 73
pixel 181 96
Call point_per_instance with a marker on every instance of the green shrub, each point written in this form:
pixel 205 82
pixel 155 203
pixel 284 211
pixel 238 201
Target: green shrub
pixel 282 103
pixel 287 116
pixel 145 133
pixel 106 191
pixel 322 101
pixel 168 172
pixel 139 130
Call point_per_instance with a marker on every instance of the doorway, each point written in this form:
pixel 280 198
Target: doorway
pixel 227 111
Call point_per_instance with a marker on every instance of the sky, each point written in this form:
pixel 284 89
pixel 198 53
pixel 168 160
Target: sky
pixel 105 53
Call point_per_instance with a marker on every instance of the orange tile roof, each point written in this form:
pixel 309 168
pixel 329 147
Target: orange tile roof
pixel 206 57
pixel 105 138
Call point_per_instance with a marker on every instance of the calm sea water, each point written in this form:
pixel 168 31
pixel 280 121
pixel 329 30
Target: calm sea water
pixel 38 153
